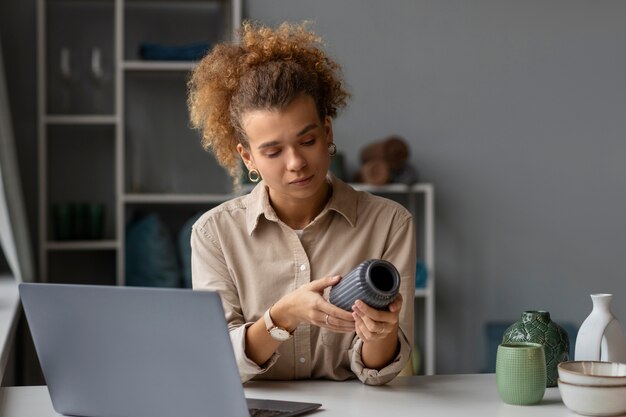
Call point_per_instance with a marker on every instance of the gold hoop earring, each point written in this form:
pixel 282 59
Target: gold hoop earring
pixel 254 176
pixel 332 149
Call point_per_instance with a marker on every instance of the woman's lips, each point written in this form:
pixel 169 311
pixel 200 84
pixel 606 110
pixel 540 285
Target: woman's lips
pixel 302 181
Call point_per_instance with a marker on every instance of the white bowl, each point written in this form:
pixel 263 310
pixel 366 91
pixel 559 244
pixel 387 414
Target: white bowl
pixel 592 373
pixel 594 400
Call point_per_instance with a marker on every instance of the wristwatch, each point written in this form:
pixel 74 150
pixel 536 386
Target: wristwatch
pixel 277 333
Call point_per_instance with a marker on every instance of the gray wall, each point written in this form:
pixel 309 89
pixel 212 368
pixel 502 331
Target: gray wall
pixel 514 110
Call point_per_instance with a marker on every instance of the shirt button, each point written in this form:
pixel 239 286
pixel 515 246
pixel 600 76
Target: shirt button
pixel 302 267
pixel 302 360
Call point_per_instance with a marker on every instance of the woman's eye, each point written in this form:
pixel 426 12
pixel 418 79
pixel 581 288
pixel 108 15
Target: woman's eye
pixel 272 154
pixel 309 142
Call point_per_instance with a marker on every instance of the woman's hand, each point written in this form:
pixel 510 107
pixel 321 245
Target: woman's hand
pixel 374 325
pixel 306 304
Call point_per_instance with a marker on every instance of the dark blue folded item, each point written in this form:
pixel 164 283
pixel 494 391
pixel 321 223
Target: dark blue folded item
pixel 421 275
pixel 157 52
pixel 150 254
pixel 184 249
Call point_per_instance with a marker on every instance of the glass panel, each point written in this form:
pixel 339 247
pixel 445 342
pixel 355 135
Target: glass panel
pixel 80 70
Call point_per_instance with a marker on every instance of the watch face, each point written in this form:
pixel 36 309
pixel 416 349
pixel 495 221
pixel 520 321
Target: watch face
pixel 279 334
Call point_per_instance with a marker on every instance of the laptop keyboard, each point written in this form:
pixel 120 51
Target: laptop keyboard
pixel 257 412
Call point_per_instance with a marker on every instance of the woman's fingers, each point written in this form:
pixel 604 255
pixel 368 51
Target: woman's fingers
pixel 340 321
pixel 372 324
pixel 396 305
pixel 319 285
pixel 316 310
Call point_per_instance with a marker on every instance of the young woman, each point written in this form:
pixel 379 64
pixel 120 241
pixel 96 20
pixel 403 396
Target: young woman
pixel 273 254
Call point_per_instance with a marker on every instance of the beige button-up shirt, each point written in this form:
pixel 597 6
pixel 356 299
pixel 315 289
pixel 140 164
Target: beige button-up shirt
pixel 245 252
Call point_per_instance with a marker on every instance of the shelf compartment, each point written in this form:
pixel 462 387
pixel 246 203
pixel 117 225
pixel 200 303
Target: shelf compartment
pixel 159 23
pixel 80 170
pixel 75 32
pixel 163 154
pixel 172 216
pixel 92 267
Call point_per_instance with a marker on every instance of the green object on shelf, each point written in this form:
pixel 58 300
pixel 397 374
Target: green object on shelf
pixel 537 327
pixel 78 221
pixel 62 218
pixel 416 360
pixel 94 224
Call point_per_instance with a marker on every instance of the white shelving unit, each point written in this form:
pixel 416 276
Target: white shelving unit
pixel 125 134
pixel 67 29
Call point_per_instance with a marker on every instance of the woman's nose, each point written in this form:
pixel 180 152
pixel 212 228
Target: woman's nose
pixel 295 161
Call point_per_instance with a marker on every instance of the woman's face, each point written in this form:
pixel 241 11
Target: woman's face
pixel 289 148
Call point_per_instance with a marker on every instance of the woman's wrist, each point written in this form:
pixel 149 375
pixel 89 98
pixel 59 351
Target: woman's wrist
pixel 282 316
pixel 376 354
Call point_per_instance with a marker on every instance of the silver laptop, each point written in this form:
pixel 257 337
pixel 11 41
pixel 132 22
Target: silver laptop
pixel 141 352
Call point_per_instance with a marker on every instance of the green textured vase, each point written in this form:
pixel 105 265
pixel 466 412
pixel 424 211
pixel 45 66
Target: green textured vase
pixel 521 373
pixel 536 327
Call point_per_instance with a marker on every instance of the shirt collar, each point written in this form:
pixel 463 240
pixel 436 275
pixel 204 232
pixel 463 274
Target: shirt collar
pixel 258 203
pixel 343 201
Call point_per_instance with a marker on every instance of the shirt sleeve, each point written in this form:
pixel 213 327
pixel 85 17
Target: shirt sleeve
pixel 209 272
pixel 401 252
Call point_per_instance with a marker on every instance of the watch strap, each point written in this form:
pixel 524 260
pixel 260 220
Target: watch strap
pixel 269 324
pixel 274 330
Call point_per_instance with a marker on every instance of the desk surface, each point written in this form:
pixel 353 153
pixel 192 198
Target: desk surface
pixel 441 395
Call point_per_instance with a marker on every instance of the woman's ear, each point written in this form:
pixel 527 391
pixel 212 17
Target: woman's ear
pixel 328 129
pixel 245 155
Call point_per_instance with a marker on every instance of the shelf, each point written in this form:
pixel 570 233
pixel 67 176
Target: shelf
pixel 82 245
pixel 203 4
pixel 392 188
pixel 422 292
pixel 71 119
pixel 246 188
pixel 220 198
pixel 159 65
pixel 83 2
pixel 177 198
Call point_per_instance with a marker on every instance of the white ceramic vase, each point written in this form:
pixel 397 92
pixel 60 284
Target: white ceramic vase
pixel 600 337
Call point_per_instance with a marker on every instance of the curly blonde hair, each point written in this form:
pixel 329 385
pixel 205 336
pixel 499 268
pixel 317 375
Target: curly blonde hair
pixel 266 70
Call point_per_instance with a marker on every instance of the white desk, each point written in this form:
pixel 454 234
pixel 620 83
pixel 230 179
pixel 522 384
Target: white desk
pixel 443 395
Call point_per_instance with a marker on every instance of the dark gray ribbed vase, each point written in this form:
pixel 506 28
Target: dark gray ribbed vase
pixel 375 282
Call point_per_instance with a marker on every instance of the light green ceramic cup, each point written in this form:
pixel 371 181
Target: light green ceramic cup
pixel 521 373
